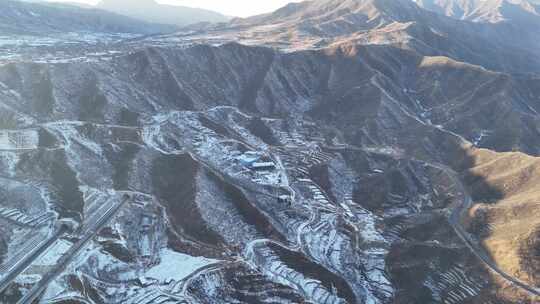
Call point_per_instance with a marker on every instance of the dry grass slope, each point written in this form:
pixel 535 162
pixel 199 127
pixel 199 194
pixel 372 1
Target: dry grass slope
pixel 506 216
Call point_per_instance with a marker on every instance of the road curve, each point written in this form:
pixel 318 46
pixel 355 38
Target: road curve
pixel 476 249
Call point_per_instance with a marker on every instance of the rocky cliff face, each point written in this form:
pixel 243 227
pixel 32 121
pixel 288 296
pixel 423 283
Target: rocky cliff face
pixel 354 173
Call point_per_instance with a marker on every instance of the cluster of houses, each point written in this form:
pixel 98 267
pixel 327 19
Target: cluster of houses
pixel 18 140
pixel 20 218
pixel 264 167
pixel 318 195
pixel 261 167
pixel 255 161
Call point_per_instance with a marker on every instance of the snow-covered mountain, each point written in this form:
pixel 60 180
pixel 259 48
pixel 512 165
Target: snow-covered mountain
pixel 377 152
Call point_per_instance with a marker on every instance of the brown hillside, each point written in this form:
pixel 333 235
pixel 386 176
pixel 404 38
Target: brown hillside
pixel 506 216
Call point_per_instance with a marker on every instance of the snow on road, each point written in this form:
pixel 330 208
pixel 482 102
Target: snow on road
pixel 54 253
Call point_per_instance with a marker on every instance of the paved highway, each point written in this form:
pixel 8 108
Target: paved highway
pixel 463 205
pixel 479 251
pixel 36 291
pixel 17 268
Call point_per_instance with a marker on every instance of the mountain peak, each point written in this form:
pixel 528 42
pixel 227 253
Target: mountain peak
pixel 485 11
pixel 335 17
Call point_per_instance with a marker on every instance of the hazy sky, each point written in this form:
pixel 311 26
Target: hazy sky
pixel 241 8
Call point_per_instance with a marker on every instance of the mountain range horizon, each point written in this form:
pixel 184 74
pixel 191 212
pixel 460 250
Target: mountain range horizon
pixel 328 152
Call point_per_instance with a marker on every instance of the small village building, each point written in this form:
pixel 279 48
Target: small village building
pixel 284 199
pixel 263 166
pixel 249 158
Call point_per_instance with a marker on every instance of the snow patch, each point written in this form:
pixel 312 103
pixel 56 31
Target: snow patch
pixel 54 253
pixel 176 266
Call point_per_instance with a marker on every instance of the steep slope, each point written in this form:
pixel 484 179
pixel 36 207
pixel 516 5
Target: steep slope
pixel 334 18
pixel 519 12
pixel 459 9
pixel 322 23
pixel 354 173
pixel 506 217
pixel 388 151
pixel 328 19
pixel 492 109
pixel 151 11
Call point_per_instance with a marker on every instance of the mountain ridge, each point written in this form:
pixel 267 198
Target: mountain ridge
pixel 323 23
pixel 151 11
pixel 488 11
pixel 395 112
pixel 333 152
pixel 17 17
